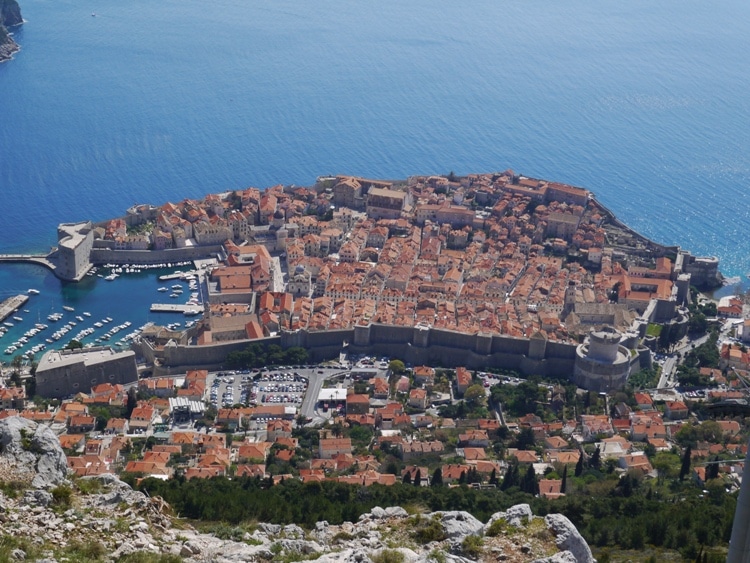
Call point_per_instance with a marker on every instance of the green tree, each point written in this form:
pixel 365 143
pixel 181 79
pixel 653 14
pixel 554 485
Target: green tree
pixel 525 440
pixel 475 396
pixel 685 467
pixel 529 483
pixel 397 367
pixel 579 466
pixel 437 477
pixel 595 461
pixel 511 476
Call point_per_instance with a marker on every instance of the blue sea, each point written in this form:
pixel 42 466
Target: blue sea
pixel 644 103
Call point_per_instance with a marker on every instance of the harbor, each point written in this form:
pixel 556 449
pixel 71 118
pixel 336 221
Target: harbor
pixel 93 312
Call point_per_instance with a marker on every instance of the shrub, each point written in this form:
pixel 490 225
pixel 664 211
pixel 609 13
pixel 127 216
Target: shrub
pixel 472 546
pixel 89 551
pixel 497 527
pixel 429 531
pixel 89 486
pixel 9 543
pixel 61 496
pixel 224 531
pixel 149 557
pixel 12 488
pixel 388 556
pixel 343 537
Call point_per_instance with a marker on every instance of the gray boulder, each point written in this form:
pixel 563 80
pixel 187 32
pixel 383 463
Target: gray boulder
pixel 37 497
pixel 519 515
pixel 458 524
pixel 346 556
pixel 293 531
pixel 32 451
pixel 568 538
pixel 561 557
pixel 376 514
pixel 396 512
pixel 270 529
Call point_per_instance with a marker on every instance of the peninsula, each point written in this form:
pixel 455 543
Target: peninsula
pixel 10 15
pixel 482 270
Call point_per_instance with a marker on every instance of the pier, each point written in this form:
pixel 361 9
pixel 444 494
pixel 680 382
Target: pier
pixel 174 308
pixel 38 259
pixel 11 305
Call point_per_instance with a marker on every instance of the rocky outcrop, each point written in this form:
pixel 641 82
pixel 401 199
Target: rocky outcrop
pixel 10 15
pixel 568 538
pixel 7 45
pixel 107 511
pixel 30 453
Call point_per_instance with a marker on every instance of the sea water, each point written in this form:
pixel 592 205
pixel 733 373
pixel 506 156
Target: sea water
pixel 114 103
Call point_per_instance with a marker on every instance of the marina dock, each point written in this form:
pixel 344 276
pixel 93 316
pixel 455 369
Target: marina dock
pixel 11 305
pixel 174 308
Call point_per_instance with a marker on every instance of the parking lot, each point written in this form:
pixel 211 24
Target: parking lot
pixel 282 385
pixel 279 388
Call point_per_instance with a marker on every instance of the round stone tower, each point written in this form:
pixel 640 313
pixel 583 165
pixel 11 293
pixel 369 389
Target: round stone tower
pixel 603 345
pixel 602 363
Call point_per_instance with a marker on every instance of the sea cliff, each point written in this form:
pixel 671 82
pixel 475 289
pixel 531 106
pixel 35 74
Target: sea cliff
pixel 10 15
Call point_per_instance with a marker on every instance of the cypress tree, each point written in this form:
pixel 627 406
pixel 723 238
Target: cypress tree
pixel 509 480
pixel 529 484
pixel 685 468
pixel 407 478
pixel 564 484
pixel 418 478
pixel 437 477
pixel 596 459
pixel 579 466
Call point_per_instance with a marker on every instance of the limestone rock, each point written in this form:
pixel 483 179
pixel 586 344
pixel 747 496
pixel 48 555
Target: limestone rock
pixel 568 538
pixel 38 498
pixel 270 529
pixel 518 515
pixel 32 452
pixel 293 531
pixel 561 557
pixel 376 513
pixel 458 524
pixel 396 512
pixel 346 556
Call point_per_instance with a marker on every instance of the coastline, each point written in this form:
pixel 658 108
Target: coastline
pixel 8 48
pixel 100 255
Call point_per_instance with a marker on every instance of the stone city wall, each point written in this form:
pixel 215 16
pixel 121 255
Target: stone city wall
pixel 170 255
pixel 442 347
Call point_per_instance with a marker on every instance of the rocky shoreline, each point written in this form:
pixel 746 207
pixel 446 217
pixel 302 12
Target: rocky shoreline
pixel 10 15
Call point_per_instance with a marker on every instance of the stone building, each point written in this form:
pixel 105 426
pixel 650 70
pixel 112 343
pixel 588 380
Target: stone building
pixel 602 363
pixel 61 373
pixel 74 244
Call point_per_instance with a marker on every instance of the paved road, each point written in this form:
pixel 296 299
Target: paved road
pixel 315 384
pixel 278 274
pixel 670 364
